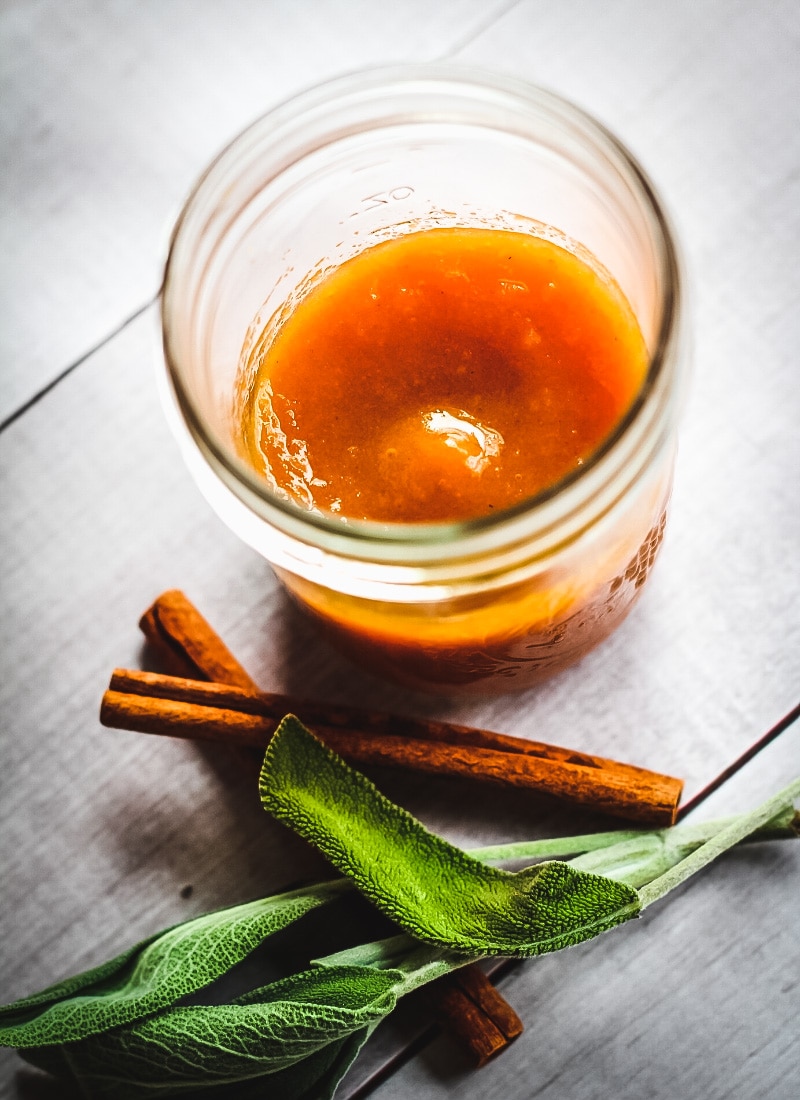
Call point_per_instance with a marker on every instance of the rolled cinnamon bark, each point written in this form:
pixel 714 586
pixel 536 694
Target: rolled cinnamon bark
pixel 197 710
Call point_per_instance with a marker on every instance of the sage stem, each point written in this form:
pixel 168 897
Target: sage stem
pixel 724 839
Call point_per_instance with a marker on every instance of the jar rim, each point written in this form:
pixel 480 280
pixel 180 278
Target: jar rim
pixel 379 541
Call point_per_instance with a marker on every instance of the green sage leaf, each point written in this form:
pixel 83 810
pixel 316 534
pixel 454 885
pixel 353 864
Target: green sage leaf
pixel 301 1033
pixel 433 890
pixel 155 973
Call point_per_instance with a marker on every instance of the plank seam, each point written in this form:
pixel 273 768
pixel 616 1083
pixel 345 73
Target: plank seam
pixel 67 371
pixel 470 37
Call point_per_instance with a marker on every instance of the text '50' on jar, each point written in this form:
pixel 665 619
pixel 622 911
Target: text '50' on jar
pixel 423 336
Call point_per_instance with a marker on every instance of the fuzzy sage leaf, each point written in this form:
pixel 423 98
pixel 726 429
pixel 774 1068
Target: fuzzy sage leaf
pixel 155 973
pixel 433 890
pixel 302 1031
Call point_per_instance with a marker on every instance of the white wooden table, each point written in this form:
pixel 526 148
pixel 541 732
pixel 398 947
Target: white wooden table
pixel 110 110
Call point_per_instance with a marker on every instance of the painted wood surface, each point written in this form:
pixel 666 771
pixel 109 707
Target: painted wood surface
pixel 110 110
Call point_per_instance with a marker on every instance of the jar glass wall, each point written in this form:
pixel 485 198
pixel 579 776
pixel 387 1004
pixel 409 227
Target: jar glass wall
pixel 493 603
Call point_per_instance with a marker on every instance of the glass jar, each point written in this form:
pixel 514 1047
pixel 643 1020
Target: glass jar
pixel 491 604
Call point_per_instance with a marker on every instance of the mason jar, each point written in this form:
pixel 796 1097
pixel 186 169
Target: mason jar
pixel 493 603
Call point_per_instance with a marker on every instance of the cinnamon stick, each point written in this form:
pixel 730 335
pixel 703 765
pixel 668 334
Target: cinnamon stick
pixel 154 703
pixel 193 650
pixel 478 1017
pixel 186 643
pixel 470 1009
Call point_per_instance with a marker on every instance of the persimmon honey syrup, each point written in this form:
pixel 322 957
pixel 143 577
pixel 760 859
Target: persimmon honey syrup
pixel 441 376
